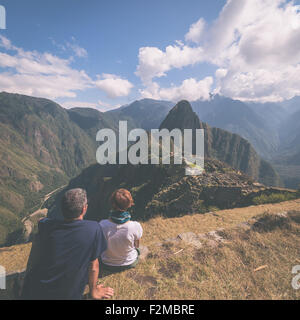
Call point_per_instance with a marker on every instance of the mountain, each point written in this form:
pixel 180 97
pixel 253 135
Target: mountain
pixel 291 105
pixel 237 117
pixel 222 145
pixel 41 148
pixel 287 160
pixel 146 113
pixel 166 189
pixel 44 145
pixel 290 136
pixel 91 120
pixel 271 114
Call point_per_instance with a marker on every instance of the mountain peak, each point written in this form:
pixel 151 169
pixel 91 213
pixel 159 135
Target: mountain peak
pixel 181 116
pixel 183 105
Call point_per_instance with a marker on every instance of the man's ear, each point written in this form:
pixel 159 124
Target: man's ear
pixel 84 210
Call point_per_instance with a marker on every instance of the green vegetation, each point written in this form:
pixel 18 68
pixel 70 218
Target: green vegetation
pixel 274 198
pixel 43 145
pixel 40 150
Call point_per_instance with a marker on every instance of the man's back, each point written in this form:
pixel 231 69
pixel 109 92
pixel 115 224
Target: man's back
pixel 65 252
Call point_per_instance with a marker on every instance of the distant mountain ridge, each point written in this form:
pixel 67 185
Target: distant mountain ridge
pixel 237 117
pixel 263 124
pixel 222 145
pixel 140 115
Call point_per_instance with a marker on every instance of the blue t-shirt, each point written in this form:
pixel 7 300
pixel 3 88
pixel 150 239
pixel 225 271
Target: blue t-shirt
pixel 66 250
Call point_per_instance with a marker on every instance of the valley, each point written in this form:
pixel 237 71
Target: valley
pixel 44 146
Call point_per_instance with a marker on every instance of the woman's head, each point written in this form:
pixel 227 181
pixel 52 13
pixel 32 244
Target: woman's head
pixel 121 200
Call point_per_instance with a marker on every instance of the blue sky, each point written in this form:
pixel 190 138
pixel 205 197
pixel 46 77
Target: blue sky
pixel 107 53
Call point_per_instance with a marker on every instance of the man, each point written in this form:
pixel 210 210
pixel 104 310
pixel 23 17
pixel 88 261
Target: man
pixel 64 255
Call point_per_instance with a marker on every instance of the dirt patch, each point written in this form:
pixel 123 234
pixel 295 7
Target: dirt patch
pixel 200 256
pixel 294 216
pixel 150 292
pixel 270 222
pixel 141 279
pixel 170 269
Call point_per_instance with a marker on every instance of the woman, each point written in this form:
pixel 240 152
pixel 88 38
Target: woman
pixel 122 234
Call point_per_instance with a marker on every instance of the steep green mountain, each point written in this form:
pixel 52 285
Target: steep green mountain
pixel 44 145
pixel 146 113
pixel 237 117
pixel 222 145
pixel 261 124
pixel 91 120
pixel 40 149
pixel 167 190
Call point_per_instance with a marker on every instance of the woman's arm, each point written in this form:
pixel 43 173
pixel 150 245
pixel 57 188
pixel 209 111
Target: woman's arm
pixel 137 243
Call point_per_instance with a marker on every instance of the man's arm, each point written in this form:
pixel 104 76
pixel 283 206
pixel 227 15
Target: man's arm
pixel 97 291
pixel 35 252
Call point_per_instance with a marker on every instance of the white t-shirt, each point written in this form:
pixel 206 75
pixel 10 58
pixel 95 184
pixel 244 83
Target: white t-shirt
pixel 120 242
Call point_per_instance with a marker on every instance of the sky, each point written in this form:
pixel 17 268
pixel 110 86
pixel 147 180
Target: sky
pixel 104 54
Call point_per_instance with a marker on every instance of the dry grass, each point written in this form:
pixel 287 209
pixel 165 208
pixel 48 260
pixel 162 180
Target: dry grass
pixel 160 228
pixel 15 258
pixel 224 272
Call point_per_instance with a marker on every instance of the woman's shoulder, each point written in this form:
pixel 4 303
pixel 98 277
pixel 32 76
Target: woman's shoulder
pixel 134 225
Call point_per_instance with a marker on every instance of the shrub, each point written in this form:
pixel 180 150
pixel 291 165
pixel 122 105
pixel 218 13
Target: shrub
pixel 273 198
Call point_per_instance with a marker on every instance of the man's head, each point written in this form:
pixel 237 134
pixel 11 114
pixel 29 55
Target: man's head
pixel 74 204
pixel 121 200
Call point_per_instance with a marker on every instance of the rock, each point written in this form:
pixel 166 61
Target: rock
pixel 215 236
pixel 27 231
pixel 281 214
pixel 190 238
pixel 212 238
pixel 144 252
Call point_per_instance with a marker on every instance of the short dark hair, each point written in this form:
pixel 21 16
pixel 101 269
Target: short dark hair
pixel 73 202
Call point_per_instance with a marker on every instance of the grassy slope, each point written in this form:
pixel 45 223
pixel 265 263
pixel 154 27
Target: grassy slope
pixel 225 272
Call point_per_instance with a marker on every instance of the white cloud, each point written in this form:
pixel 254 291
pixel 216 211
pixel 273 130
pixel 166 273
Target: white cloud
pixel 190 89
pixel 154 62
pixel 113 85
pixel 255 45
pixel 46 75
pixel 196 31
pixel 72 46
pixel 39 74
pixel 260 49
pixel 78 51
